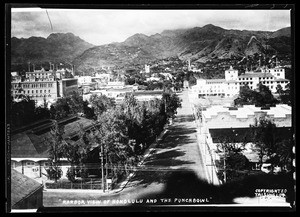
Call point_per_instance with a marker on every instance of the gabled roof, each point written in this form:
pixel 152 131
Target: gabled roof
pixel 30 144
pixel 22 187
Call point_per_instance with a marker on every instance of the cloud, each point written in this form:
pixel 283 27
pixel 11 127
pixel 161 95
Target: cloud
pixel 105 26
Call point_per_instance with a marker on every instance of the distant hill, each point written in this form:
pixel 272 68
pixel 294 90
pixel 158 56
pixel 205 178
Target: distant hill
pixel 198 44
pixel 56 47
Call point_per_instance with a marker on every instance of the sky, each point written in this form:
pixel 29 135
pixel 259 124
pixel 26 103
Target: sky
pixel 103 26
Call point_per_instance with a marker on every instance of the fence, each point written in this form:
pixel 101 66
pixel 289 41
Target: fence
pixel 93 184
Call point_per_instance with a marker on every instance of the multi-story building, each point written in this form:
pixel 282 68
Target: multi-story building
pixel 41 85
pixel 230 86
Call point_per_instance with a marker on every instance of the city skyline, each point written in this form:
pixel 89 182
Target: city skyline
pixel 116 25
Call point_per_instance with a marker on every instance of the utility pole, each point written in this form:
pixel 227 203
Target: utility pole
pixel 102 167
pixel 224 149
pixel 106 169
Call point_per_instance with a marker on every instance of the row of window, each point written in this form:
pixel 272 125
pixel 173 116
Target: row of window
pixel 42 85
pixel 32 91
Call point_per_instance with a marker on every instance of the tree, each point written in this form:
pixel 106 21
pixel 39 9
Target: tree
pixel 234 162
pixel 246 96
pixel 260 97
pixel 22 113
pixel 264 96
pixel 100 104
pixel 264 136
pixel 284 154
pixel 55 143
pixel 172 102
pixel 284 95
pixel 76 153
pixel 60 109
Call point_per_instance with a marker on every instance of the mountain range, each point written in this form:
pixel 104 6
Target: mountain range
pixel 199 44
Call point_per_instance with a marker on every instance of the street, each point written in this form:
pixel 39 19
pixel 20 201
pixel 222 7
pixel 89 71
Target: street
pixel 174 168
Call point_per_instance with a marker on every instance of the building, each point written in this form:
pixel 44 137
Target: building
pixel 220 121
pixel 230 86
pixel 42 85
pixel 29 151
pixel 26 193
pixel 147 68
pixel 232 117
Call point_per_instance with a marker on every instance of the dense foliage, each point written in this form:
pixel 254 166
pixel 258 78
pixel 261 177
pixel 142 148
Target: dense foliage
pixel 261 97
pixel 122 133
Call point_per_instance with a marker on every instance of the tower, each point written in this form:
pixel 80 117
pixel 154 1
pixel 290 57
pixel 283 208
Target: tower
pixel 231 74
pixel 189 64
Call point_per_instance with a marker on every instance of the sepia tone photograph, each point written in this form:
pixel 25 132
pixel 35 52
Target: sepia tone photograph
pixel 149 108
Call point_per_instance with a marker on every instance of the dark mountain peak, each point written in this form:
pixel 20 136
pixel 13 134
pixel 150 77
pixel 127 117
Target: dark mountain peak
pixel 211 27
pixel 136 39
pixel 139 35
pixel 156 36
pixel 59 35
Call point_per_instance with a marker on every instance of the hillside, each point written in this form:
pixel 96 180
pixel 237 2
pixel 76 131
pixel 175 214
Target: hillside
pixel 57 47
pixel 199 44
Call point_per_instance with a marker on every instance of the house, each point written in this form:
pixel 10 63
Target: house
pixel 26 193
pixel 29 151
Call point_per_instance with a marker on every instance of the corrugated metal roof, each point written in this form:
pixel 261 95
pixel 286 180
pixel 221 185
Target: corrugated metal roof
pixel 22 187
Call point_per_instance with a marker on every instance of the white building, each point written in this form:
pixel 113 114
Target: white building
pixel 230 86
pixel 147 68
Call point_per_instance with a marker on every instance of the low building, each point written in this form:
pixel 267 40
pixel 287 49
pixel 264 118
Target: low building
pixel 219 122
pixel 26 193
pixel 144 95
pixel 231 117
pixel 29 150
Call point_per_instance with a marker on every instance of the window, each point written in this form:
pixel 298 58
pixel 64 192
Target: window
pixel 36 91
pixel 41 91
pixel 48 91
pixel 30 163
pixel 45 91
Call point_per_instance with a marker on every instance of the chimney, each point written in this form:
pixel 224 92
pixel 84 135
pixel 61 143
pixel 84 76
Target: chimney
pixel 33 67
pixel 28 66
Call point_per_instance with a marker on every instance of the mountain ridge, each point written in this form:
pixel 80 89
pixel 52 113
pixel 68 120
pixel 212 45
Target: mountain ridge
pixel 198 44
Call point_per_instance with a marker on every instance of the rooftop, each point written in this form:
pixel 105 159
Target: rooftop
pixel 31 143
pixel 255 74
pixel 281 110
pixel 215 80
pixel 22 187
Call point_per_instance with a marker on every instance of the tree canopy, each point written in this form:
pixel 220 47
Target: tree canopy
pixel 261 97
